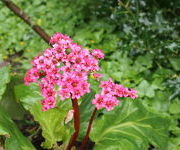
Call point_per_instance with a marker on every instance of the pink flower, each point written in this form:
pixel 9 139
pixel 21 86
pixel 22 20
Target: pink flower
pixel 48 92
pixel 125 92
pixel 110 102
pixel 81 74
pixel 99 101
pixel 48 53
pixel 105 101
pixel 97 53
pixel 107 87
pixel 133 94
pixel 60 38
pixel 64 94
pixel 119 90
pixel 107 84
pixel 64 70
pixel 76 93
pixel 39 62
pixel 85 86
pixel 31 76
pixel 48 103
pixel 97 76
pixel 110 91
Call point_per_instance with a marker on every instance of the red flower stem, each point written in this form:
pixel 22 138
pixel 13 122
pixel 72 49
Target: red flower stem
pixel 76 124
pixel 88 130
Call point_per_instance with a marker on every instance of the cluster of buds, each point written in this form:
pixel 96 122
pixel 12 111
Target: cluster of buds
pixel 64 70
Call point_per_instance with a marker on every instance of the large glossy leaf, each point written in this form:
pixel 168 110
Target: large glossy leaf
pixel 4 76
pixel 9 102
pixel 86 108
pixel 130 127
pixel 27 95
pixel 14 138
pixel 51 121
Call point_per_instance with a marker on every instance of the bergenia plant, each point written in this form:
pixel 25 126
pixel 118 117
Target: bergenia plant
pixel 63 70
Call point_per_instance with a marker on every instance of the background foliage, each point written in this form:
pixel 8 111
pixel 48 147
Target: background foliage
pixel 141 41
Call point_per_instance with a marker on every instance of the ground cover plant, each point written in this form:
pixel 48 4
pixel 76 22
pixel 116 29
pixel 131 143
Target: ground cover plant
pixel 140 40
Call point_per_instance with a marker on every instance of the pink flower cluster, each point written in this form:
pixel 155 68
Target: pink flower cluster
pixel 66 66
pixel 64 70
pixel 110 91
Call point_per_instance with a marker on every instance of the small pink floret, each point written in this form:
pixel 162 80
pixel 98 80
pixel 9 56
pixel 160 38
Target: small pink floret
pixel 97 53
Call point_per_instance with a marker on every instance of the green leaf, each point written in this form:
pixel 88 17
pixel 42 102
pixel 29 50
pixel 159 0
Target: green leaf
pixel 174 107
pixel 14 138
pixel 163 73
pixel 51 121
pixel 160 103
pixel 175 62
pixel 4 76
pixel 10 104
pixel 86 108
pixel 145 61
pixel 130 127
pixel 146 89
pixel 174 143
pixel 27 95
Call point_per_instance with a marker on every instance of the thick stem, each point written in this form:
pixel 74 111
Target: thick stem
pixel 13 7
pixel 88 130
pixel 76 124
